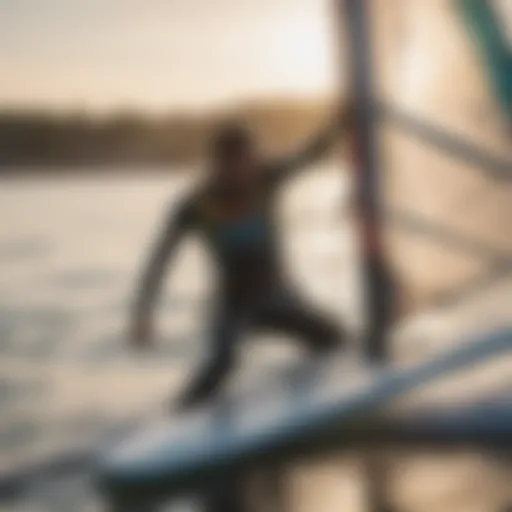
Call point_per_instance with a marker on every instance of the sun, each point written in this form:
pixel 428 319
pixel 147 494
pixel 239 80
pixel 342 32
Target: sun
pixel 300 54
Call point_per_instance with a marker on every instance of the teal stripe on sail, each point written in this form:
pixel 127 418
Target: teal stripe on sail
pixel 484 23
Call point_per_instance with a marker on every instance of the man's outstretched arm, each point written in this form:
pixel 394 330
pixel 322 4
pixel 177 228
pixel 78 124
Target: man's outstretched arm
pixel 152 277
pixel 314 150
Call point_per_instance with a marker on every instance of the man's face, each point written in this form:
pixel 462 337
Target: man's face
pixel 239 167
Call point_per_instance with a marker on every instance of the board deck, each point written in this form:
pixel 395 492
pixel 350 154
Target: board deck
pixel 303 413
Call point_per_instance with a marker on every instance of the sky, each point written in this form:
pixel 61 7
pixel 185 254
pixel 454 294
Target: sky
pixel 160 54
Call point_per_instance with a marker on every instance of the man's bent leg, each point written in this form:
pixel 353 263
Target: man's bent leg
pixel 213 373
pixel 292 316
pixel 228 496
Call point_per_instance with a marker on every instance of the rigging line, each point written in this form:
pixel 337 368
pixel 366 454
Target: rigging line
pixel 455 240
pixel 500 262
pixel 498 167
pixel 477 284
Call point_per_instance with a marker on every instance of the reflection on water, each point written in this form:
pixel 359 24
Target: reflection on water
pixel 68 257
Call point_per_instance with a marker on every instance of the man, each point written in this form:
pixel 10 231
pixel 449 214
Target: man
pixel 233 212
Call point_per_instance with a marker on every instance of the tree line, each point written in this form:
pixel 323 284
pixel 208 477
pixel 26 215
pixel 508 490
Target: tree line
pixel 61 140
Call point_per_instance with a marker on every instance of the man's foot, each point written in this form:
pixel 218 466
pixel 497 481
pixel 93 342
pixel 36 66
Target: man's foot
pixel 187 403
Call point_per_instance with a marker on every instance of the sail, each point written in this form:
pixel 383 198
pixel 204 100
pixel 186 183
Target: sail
pixel 431 66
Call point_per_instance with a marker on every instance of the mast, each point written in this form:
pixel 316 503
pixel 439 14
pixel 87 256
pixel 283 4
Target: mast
pixel 366 161
pixel 365 156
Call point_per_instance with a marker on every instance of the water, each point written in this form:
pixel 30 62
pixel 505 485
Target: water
pixel 70 252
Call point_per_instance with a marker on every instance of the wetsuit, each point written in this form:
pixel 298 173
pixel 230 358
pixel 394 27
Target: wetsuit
pixel 254 293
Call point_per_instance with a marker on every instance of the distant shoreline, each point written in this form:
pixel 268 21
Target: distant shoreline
pixel 61 170
pixel 53 142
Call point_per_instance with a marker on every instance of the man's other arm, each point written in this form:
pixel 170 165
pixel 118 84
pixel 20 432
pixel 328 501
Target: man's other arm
pixel 160 258
pixel 314 150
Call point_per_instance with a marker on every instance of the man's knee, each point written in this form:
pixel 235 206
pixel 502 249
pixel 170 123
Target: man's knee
pixel 221 364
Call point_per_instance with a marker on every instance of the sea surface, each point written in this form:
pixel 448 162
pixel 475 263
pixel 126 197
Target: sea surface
pixel 71 249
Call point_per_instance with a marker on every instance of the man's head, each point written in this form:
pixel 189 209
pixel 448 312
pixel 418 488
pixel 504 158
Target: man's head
pixel 234 152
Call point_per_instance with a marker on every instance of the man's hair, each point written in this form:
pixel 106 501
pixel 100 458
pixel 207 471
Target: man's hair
pixel 231 138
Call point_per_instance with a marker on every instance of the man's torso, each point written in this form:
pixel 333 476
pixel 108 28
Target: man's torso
pixel 239 230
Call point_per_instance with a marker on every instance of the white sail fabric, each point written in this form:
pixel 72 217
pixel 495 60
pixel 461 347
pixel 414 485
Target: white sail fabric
pixel 430 66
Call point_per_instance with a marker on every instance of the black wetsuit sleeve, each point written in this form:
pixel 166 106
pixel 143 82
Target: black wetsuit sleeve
pixel 177 223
